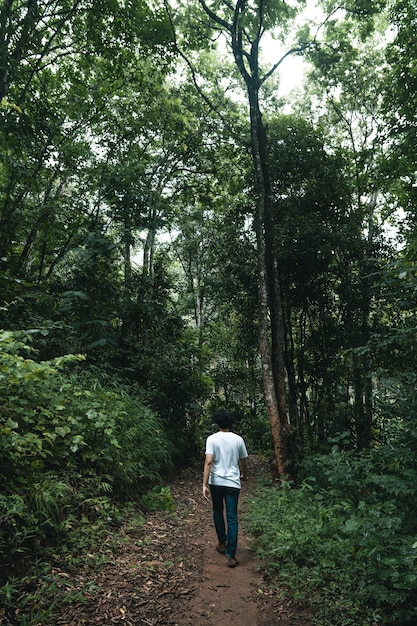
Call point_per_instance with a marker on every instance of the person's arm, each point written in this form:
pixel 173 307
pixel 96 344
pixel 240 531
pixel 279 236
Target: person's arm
pixel 243 469
pixel 206 473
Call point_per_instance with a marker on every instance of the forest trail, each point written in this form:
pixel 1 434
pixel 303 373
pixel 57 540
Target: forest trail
pixel 225 595
pixel 168 573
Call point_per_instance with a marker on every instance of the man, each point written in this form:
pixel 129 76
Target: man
pixel 224 467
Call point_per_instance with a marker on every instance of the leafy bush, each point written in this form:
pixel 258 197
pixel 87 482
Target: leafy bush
pixel 159 499
pixel 345 539
pixel 70 446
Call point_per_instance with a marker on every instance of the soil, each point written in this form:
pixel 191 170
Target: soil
pixel 168 572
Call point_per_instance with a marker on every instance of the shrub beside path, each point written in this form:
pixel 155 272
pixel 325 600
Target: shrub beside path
pixel 167 572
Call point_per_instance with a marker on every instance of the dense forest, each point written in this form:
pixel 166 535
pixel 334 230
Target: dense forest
pixel 179 233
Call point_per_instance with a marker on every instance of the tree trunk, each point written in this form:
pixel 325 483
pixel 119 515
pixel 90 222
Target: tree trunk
pixel 268 378
pixel 270 319
pixel 362 388
pixel 127 243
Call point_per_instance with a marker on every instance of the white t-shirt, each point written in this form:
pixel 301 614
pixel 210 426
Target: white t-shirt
pixel 227 448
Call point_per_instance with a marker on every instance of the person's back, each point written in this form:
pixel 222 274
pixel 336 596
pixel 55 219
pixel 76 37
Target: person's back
pixel 224 466
pixel 227 448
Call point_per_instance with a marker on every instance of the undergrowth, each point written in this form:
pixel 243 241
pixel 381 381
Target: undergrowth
pixel 344 540
pixel 31 596
pixel 75 448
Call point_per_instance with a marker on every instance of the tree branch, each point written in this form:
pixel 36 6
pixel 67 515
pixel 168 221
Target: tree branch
pixel 295 50
pixel 190 66
pixel 216 18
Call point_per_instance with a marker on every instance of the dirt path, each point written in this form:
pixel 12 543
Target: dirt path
pixel 225 595
pixel 168 572
pixel 234 596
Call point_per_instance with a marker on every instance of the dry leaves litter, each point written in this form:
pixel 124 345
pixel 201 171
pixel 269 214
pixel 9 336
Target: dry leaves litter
pixel 167 572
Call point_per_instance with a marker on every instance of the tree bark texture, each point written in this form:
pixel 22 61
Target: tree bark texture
pixel 269 301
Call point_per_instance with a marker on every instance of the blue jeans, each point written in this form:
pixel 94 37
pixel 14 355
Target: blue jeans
pixel 228 496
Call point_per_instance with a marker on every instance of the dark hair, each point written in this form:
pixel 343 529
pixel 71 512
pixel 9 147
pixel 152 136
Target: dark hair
pixel 223 418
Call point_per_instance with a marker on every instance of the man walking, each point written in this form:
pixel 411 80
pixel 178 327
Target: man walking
pixel 224 468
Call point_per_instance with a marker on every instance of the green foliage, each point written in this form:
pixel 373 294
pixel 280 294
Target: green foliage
pixel 400 102
pixel 31 596
pixel 70 445
pixel 254 428
pixel 99 153
pixel 43 591
pixel 345 538
pixel 159 499
pixel 393 339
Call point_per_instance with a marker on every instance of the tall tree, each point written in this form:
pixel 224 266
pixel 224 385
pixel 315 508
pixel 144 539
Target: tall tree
pixel 311 228
pixel 244 25
pixel 347 102
pixel 61 71
pixel 400 109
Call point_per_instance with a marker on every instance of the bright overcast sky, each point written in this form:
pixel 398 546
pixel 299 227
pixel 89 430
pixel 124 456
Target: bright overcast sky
pixel 291 71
